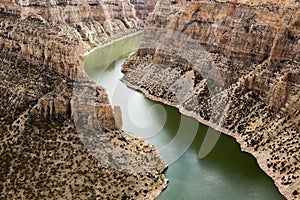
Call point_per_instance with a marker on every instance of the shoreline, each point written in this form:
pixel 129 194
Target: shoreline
pixel 162 166
pixel 112 40
pixel 238 138
pixel 257 155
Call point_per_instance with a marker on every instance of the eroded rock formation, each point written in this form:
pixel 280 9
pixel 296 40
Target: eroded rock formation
pixel 143 7
pixel 60 137
pixel 233 65
pixel 54 34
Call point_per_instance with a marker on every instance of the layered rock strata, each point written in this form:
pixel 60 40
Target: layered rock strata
pixel 53 34
pixel 143 8
pixel 60 137
pixel 233 65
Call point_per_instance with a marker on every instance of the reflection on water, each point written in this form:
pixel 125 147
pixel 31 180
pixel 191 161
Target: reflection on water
pixel 226 173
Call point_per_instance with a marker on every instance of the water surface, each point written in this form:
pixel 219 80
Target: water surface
pixel 225 174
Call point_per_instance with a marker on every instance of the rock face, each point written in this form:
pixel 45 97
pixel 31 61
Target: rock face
pixel 60 137
pixel 233 65
pixel 143 7
pixel 118 117
pixel 57 32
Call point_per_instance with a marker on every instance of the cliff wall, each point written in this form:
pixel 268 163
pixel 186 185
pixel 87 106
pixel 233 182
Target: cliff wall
pixel 233 65
pixel 143 8
pixel 56 34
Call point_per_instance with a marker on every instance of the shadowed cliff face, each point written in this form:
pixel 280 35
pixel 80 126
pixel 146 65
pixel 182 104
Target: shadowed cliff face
pixel 233 65
pixel 60 137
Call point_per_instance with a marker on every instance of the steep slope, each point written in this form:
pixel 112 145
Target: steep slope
pixel 233 65
pixel 60 137
pixel 143 8
pixel 54 34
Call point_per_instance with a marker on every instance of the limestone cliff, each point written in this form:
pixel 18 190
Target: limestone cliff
pixel 60 137
pixel 233 65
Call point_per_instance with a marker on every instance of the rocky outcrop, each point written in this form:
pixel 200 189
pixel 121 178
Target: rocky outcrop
pixel 280 88
pixel 118 117
pixel 60 137
pixel 143 8
pixel 233 65
pixel 46 153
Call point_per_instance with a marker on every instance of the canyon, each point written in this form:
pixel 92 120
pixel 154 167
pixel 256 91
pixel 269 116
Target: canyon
pixel 60 137
pixel 234 66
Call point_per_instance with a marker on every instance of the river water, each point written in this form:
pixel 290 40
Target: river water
pixel 225 173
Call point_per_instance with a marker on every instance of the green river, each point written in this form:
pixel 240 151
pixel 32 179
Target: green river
pixel 225 173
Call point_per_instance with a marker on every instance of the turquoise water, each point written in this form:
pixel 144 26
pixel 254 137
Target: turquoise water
pixel 225 173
